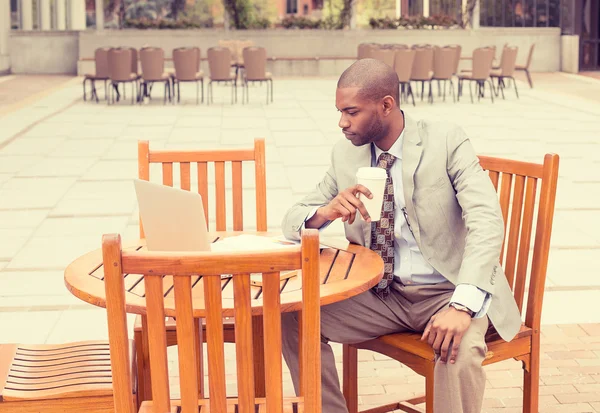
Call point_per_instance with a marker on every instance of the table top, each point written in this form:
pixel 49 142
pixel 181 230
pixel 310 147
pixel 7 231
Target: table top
pixel 344 273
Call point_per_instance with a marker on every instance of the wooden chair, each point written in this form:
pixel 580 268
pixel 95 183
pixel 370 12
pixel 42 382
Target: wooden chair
pixel 58 378
pixel 183 269
pixel 166 158
pixel 518 204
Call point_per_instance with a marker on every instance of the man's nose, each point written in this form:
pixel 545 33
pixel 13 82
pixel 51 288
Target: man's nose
pixel 343 122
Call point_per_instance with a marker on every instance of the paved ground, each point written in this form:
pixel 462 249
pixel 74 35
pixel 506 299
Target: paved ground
pixel 65 178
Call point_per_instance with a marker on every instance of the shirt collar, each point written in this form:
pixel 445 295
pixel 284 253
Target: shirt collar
pixel 395 150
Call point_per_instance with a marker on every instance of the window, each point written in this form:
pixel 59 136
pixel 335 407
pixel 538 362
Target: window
pixel 520 13
pixel 291 6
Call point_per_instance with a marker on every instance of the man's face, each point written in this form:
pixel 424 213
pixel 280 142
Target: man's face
pixel 360 121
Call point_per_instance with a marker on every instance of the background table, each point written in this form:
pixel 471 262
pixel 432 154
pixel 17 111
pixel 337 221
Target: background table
pixel 344 274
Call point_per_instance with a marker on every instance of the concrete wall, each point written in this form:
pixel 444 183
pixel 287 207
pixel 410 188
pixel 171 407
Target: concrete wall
pixel 55 51
pixel 51 52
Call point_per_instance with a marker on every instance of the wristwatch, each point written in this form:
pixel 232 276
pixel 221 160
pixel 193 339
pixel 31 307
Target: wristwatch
pixel 461 307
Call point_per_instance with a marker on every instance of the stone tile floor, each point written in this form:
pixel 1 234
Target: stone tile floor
pixel 65 179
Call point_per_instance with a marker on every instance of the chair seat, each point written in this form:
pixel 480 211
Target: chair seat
pixel 91 76
pixel 164 77
pixel 290 405
pixel 268 76
pixel 57 371
pixel 496 73
pixel 232 76
pixel 520 67
pixel 411 343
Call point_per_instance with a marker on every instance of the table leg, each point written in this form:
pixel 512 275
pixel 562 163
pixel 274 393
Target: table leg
pixel 200 356
pixel 144 380
pixel 259 356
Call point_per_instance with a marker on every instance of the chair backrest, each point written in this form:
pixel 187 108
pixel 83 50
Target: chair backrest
pixel 365 50
pixel 182 271
pixel 483 59
pixel 101 62
pixel 153 63
pixel 219 63
pixel 403 63
pixel 185 61
pixel 518 183
pixel 508 61
pixel 530 55
pixel 384 55
pixel 255 63
pixel 423 64
pixel 443 62
pixel 457 50
pixel 164 160
pixel 119 64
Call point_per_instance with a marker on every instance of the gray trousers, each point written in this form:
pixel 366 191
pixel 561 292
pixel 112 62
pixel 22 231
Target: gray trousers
pixel 458 388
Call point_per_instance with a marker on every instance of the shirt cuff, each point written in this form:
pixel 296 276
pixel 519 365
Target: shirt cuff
pixel 309 216
pixel 472 297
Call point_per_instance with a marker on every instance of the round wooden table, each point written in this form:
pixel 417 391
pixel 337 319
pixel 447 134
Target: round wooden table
pixel 344 273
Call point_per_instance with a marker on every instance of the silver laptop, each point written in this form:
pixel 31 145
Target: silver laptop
pixel 173 219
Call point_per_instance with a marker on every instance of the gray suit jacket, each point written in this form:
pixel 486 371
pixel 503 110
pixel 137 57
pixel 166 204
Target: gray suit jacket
pixel 451 204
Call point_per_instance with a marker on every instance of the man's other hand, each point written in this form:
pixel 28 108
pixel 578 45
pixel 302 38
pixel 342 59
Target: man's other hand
pixel 445 331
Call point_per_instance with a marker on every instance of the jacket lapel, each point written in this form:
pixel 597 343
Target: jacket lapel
pixel 412 150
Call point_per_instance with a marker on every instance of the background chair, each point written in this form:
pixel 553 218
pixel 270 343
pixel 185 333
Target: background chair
pixel 365 50
pixel 181 270
pixel 422 70
pixel 384 55
pixel 153 70
pixel 101 73
pixel 58 378
pixel 187 69
pixel 255 61
pixel 525 67
pixel 480 74
pixel 518 183
pixel 219 63
pixel 444 67
pixel 202 159
pixel 119 67
pixel 403 64
pixel 506 70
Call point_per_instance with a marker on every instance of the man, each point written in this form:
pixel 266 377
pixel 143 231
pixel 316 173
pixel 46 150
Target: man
pixel 440 236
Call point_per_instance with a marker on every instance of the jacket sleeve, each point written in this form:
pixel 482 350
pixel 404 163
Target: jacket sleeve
pixel 480 211
pixel 325 191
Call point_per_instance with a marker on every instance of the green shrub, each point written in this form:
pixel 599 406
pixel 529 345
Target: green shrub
pixel 181 23
pixel 414 22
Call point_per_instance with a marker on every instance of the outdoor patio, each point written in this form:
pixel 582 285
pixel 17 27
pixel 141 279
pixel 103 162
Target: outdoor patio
pixel 61 159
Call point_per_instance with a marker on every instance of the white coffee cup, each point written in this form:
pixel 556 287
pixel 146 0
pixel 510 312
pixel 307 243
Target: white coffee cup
pixel 374 180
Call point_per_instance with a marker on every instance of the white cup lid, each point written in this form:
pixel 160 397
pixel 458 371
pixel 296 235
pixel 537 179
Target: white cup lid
pixel 371 173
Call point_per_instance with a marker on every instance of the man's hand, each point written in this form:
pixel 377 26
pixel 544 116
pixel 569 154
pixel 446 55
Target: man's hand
pixel 344 206
pixel 446 329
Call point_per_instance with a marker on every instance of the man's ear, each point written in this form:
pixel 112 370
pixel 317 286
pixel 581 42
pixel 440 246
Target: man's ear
pixel 388 105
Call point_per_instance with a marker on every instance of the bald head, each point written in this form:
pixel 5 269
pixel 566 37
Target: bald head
pixel 374 79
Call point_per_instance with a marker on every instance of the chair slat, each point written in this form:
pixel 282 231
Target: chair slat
pixel 244 345
pixel 186 344
pixel 203 186
pixel 311 323
pixel 167 170
pixel 238 209
pixel 505 189
pixel 272 341
pixel 261 184
pixel 220 196
pixel 117 323
pixel 514 229
pixel 184 171
pixel 525 242
pixel 157 340
pixel 494 176
pixel 199 340
pixel 143 168
pixel 216 350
